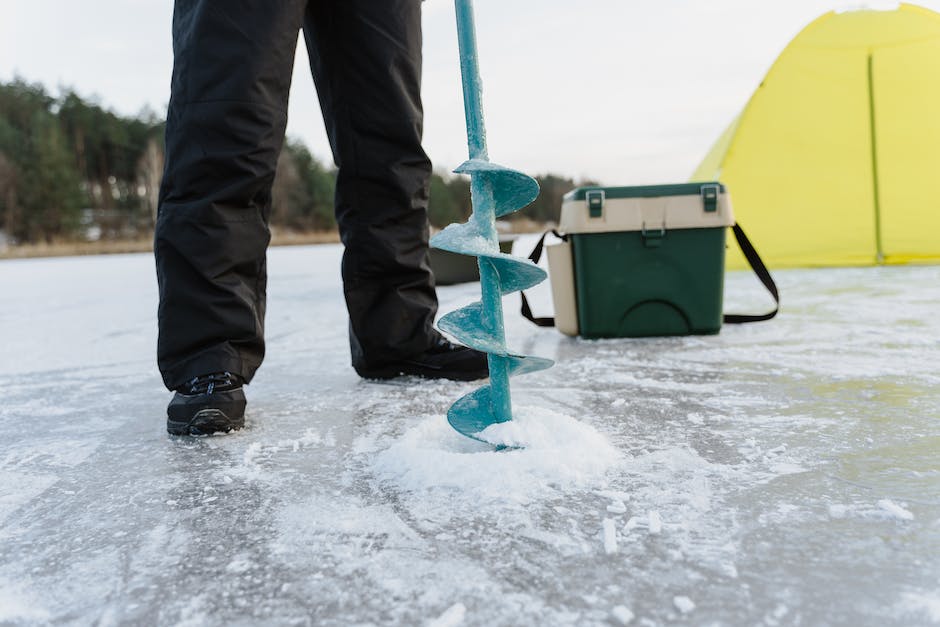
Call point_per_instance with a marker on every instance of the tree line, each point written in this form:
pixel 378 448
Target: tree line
pixel 71 169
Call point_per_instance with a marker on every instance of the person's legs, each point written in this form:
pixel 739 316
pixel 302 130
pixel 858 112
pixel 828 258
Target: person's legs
pixel 225 128
pixel 365 57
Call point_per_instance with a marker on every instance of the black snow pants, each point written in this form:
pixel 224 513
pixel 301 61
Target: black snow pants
pixel 233 62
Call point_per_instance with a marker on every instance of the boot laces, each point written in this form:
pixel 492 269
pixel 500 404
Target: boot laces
pixel 206 384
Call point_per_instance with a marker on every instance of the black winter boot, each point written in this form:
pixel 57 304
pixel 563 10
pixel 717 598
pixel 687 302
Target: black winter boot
pixel 207 404
pixel 444 360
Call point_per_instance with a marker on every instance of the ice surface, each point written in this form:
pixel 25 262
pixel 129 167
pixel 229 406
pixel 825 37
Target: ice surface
pixel 793 465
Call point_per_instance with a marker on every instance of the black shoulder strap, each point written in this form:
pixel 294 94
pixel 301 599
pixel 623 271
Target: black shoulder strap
pixel 746 247
pixel 534 258
pixel 762 273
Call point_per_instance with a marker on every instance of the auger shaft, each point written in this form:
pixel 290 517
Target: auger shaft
pixel 498 364
pixel 484 210
pixel 470 75
pixel 495 191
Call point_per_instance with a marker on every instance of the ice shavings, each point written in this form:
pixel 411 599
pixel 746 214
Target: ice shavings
pixel 652 522
pixel 614 495
pixel 895 510
pixel 558 451
pixel 610 537
pixel 259 454
pixel 622 615
pixel 617 507
pixel 466 238
pixel 655 523
pixel 684 604
pixel 544 429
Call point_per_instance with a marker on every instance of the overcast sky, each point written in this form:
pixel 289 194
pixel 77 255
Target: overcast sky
pixel 621 91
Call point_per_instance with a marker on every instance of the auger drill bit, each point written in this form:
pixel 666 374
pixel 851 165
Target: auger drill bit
pixel 495 191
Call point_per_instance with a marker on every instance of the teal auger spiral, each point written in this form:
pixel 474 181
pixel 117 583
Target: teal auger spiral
pixel 495 191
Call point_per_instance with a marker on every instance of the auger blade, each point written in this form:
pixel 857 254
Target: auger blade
pixel 472 414
pixel 519 364
pixel 496 191
pixel 516 274
pixel 466 324
pixel 512 190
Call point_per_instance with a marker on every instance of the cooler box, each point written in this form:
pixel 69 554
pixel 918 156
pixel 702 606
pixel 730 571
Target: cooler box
pixel 641 261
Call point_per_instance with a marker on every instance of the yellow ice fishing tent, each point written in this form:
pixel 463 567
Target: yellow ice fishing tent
pixel 836 158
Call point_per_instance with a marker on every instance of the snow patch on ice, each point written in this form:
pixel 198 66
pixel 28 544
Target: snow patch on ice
pixel 241 564
pixel 683 604
pixel 558 451
pixel 786 468
pixel 544 429
pixel 622 615
pixel 454 615
pixel 193 614
pixel 918 603
pixel 17 607
pixel 19 488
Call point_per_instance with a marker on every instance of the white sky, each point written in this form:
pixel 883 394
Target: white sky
pixel 622 91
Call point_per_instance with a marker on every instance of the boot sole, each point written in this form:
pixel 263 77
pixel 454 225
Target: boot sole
pixel 384 374
pixel 205 422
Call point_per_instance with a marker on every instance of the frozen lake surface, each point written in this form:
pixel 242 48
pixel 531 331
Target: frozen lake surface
pixel 780 473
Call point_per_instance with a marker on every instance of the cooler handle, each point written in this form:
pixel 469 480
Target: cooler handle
pixel 750 253
pixel 534 258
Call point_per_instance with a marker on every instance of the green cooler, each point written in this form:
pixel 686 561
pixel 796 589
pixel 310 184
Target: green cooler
pixel 641 261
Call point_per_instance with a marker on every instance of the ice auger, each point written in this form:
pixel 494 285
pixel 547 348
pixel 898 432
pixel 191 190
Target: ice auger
pixel 495 192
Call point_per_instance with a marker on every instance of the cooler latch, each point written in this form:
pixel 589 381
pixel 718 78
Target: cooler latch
pixel 595 202
pixel 710 197
pixel 653 238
